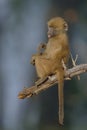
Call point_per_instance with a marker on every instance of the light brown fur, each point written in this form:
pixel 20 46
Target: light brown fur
pixel 50 62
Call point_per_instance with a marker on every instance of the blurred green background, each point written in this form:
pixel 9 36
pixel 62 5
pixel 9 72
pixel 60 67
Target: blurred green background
pixel 23 26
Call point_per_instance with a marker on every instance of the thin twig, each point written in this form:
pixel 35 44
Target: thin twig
pixel 74 63
pixel 34 90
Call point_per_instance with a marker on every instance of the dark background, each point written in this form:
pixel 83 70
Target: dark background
pixel 23 25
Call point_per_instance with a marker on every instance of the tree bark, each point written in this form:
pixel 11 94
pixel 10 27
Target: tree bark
pixel 51 81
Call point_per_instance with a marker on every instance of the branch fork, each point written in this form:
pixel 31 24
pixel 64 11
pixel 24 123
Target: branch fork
pixel 69 73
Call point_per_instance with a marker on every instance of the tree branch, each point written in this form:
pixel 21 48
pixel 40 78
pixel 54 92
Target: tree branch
pixel 34 90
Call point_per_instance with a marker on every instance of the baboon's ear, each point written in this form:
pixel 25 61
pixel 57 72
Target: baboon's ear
pixel 65 26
